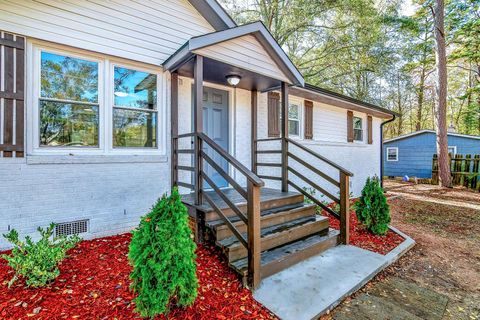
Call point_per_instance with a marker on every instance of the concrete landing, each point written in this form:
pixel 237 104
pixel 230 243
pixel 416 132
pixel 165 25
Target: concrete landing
pixel 318 284
pixel 309 288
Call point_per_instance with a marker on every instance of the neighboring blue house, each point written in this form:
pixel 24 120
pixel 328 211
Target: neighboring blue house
pixel 411 154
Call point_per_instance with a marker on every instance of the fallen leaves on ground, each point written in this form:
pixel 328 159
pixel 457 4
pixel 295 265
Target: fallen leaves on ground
pixel 94 284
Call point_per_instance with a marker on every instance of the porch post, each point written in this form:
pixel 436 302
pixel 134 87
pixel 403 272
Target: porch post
pixel 284 133
pixel 254 130
pixel 198 125
pixel 174 128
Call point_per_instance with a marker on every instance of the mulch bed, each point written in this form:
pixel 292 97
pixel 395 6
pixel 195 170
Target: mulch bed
pixel 94 284
pixel 362 238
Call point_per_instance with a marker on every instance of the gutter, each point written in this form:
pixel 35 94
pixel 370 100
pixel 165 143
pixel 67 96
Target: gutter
pixel 381 147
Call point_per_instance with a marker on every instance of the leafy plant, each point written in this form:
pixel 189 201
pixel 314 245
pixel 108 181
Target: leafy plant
pixel 372 208
pixel 313 192
pixel 162 253
pixel 37 262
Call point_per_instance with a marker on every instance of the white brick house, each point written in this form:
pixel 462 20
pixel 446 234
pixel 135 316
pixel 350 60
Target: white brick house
pixel 96 147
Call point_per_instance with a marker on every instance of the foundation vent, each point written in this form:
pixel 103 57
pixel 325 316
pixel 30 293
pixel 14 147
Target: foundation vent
pixel 71 228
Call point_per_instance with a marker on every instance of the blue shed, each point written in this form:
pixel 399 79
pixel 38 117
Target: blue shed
pixel 411 154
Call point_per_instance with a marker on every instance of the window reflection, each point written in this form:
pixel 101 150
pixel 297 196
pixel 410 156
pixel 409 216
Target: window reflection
pixel 68 102
pixel 135 89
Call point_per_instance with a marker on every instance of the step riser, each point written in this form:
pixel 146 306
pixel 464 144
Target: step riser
pixel 265 205
pixel 276 240
pixel 223 231
pixel 277 266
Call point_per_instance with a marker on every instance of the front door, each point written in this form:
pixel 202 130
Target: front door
pixel 216 126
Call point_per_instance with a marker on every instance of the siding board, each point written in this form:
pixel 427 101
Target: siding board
pixel 136 30
pixel 245 52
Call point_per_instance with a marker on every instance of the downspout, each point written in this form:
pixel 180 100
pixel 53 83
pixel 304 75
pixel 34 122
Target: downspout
pixel 381 147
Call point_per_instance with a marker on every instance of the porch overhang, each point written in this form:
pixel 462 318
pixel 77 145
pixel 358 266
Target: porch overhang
pixel 247 50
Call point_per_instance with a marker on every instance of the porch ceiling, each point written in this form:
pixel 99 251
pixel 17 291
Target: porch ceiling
pixel 216 72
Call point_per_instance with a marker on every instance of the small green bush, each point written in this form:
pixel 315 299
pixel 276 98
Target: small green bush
pixel 162 253
pixel 372 208
pixel 37 262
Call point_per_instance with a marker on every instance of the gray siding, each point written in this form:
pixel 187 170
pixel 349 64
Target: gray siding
pixel 146 31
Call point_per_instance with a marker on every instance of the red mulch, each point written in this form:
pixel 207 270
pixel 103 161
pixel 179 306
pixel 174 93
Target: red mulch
pixel 362 238
pixel 94 284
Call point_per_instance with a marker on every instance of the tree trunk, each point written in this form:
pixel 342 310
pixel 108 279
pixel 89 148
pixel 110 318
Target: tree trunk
pixel 421 91
pixel 441 96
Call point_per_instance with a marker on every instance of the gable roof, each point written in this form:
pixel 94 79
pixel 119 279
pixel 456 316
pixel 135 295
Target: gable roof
pixel 431 131
pixel 256 29
pixel 214 13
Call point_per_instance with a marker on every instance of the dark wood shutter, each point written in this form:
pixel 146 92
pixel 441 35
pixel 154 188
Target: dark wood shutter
pixel 13 70
pixel 273 114
pixel 308 119
pixel 370 129
pixel 350 126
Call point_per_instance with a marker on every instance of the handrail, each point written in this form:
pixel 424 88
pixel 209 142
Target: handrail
pixel 318 156
pixel 268 139
pixel 342 183
pixel 252 177
pixel 185 135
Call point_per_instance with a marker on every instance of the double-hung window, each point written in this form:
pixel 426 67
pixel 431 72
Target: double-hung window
pixel 93 104
pixel 357 129
pixel 294 120
pixel 68 101
pixel 135 108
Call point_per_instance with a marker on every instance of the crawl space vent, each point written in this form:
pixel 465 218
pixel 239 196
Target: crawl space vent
pixel 70 228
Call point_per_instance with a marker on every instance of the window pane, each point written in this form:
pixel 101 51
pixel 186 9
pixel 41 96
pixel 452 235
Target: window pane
pixel 293 127
pixel 68 78
pixel 135 89
pixel 357 123
pixel 392 154
pixel 68 125
pixel 358 135
pixel 134 128
pixel 293 111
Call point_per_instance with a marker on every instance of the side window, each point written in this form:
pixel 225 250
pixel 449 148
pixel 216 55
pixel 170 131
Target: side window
pixel 357 129
pixel 294 119
pixel 68 102
pixel 452 150
pixel 134 109
pixel 392 154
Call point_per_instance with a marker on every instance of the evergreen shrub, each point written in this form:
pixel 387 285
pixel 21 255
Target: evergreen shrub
pixel 372 208
pixel 162 253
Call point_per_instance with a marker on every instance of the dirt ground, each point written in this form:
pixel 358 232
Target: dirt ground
pixel 445 223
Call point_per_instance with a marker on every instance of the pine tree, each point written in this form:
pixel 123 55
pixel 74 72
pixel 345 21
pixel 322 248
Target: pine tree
pixel 372 208
pixel 162 253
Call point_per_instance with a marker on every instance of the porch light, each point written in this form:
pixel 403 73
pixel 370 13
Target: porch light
pixel 233 79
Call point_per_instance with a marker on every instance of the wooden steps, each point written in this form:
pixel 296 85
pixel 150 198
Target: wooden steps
pixel 282 257
pixel 269 218
pixel 290 230
pixel 276 235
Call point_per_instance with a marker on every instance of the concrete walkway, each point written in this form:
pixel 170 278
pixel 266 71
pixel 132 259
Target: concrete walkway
pixel 392 299
pixel 318 284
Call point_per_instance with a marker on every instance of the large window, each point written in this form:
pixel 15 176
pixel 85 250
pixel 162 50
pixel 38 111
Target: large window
pixel 357 129
pixel 294 120
pixel 88 103
pixel 134 111
pixel 68 102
